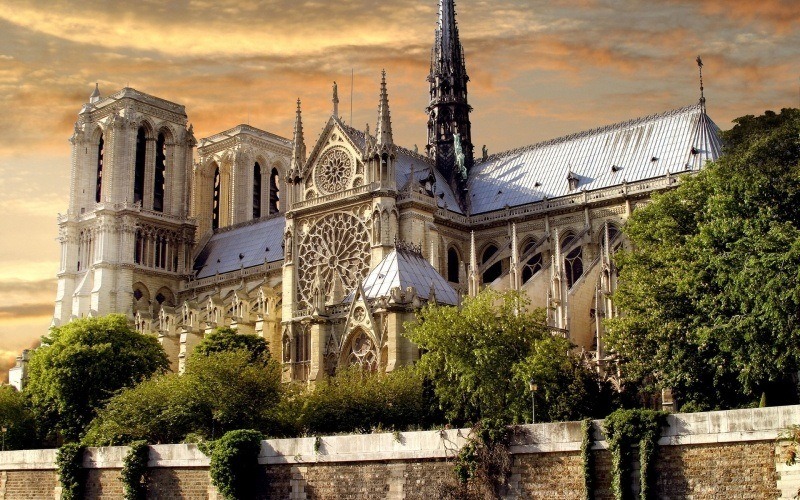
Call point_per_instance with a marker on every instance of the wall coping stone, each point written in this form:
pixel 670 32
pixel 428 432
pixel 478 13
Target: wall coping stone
pixel 728 426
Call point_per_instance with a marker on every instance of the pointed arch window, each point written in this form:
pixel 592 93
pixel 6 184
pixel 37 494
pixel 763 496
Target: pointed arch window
pixel 452 265
pixel 533 264
pixel 100 153
pixel 274 192
pixel 161 167
pixel 138 175
pixel 216 198
pixel 256 191
pixel 573 259
pixel 496 269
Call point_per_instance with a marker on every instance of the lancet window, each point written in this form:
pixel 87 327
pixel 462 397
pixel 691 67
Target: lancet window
pixel 256 191
pixel 160 172
pixel 100 153
pixel 452 265
pixel 533 264
pixel 216 199
pixel 274 192
pixel 138 175
pixel 302 346
pixel 573 259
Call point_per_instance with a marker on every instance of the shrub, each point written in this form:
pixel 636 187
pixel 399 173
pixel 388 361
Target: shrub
pixel 234 463
pixel 134 471
pixel 71 474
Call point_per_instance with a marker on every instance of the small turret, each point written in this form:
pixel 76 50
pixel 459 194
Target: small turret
pixel 95 97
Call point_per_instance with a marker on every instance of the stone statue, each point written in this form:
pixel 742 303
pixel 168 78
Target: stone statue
pixel 485 153
pixel 460 158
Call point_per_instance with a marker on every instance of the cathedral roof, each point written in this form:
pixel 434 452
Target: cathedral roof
pixel 242 246
pixel 405 161
pixel 407 268
pixel 677 141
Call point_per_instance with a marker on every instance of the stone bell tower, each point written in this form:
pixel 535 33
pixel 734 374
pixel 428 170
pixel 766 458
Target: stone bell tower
pixel 126 238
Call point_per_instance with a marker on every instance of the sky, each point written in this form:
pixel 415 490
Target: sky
pixel 539 70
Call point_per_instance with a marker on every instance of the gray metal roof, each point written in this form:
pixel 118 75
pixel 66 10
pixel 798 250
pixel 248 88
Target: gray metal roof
pixel 676 141
pixel 242 246
pixel 404 268
pixel 406 159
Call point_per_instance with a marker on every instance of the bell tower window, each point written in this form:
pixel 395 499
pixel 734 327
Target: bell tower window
pixel 158 185
pixel 274 192
pixel 138 175
pixel 256 191
pixel 100 151
pixel 215 206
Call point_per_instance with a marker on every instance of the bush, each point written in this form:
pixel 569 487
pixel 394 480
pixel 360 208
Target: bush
pixel 234 463
pixel 623 429
pixel 134 471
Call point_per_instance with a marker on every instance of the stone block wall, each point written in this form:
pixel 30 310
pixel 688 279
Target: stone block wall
pixel 732 454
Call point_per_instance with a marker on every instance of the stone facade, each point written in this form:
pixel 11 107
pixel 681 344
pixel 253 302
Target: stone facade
pixel 731 454
pixel 250 230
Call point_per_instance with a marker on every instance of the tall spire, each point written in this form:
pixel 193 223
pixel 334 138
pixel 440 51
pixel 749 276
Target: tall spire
pixel 299 145
pixel 384 128
pixel 448 110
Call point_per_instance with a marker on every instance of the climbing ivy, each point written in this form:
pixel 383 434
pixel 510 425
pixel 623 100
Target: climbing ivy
pixel 623 429
pixel 134 471
pixel 69 460
pixel 234 463
pixel 484 463
pixel 588 458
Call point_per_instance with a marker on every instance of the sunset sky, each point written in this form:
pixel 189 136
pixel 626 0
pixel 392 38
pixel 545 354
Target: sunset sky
pixel 539 69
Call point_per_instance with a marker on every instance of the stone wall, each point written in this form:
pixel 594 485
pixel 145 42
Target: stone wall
pixel 730 454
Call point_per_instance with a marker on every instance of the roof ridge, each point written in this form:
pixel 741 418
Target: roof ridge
pixel 244 127
pixel 404 150
pixel 594 131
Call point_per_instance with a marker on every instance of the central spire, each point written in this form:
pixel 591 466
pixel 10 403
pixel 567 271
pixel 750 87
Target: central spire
pixel 448 110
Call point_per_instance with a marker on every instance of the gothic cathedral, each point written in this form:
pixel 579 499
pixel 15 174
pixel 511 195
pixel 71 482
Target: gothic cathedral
pixel 326 252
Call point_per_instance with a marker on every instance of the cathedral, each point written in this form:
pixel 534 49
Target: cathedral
pixel 327 250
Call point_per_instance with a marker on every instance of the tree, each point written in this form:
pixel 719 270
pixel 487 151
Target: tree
pixel 16 419
pixel 80 365
pixel 220 391
pixel 709 294
pixel 480 358
pixel 226 339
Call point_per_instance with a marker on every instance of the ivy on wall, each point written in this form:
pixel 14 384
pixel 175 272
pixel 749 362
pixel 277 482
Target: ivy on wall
pixel 624 429
pixel 71 474
pixel 134 471
pixel 588 458
pixel 234 463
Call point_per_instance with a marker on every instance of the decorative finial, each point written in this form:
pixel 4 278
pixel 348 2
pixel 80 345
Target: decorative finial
pixel 335 100
pixel 700 67
pixel 95 94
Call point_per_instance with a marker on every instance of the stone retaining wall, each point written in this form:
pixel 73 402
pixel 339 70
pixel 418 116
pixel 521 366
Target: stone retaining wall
pixel 728 454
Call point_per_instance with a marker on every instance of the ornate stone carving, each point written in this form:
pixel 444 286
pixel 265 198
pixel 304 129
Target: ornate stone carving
pixel 334 171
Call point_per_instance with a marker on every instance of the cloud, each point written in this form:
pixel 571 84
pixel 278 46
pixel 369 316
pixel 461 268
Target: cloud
pixel 26 311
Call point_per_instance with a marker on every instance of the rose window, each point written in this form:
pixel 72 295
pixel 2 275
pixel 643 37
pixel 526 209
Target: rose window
pixel 334 170
pixel 336 247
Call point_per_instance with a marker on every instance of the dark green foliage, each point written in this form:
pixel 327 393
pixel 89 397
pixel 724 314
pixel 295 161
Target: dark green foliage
pixel 17 419
pixel 134 471
pixel 588 458
pixel 483 464
pixel 71 474
pixel 625 428
pixel 710 292
pixel 81 365
pixel 480 358
pixel 234 463
pixel 220 391
pixel 357 401
pixel 225 339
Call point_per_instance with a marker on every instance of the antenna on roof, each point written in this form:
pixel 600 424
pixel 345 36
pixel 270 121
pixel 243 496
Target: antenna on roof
pixel 352 84
pixel 702 96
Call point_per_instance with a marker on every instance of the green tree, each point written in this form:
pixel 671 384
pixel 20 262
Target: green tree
pixel 219 392
pixel 480 358
pixel 226 339
pixel 16 419
pixel 80 365
pixel 710 292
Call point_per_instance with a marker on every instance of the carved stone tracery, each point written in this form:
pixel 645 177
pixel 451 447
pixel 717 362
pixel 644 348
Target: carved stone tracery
pixel 334 171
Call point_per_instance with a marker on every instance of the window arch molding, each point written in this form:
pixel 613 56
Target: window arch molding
pixel 453 264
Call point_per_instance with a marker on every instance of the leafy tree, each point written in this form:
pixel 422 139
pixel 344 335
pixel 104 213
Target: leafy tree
pixel 220 391
pixel 226 339
pixel 80 365
pixel 480 358
pixel 17 420
pixel 710 292
pixel 355 400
